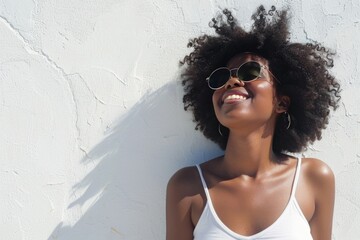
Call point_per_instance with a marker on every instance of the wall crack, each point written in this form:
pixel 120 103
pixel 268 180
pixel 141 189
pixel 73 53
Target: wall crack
pixel 39 52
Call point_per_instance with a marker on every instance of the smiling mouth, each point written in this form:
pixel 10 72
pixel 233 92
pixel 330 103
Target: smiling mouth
pixel 234 96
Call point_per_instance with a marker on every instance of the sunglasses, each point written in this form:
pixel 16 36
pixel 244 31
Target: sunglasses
pixel 247 72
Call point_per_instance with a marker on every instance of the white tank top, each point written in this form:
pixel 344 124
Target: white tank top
pixel 291 225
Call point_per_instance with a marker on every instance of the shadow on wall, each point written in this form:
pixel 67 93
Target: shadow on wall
pixel 126 189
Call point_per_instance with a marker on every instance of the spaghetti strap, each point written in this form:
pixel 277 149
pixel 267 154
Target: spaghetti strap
pixel 296 178
pixel 203 183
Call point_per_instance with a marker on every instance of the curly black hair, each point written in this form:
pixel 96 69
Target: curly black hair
pixel 302 70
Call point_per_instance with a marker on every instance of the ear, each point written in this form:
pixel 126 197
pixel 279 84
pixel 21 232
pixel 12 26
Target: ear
pixel 282 104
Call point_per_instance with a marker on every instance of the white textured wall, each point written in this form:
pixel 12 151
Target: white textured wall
pixel 91 117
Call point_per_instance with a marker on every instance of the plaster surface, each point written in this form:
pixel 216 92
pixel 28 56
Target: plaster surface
pixel 92 122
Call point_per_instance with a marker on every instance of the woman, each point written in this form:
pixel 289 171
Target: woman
pixel 259 97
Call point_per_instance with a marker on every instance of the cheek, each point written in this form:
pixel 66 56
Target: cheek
pixel 265 96
pixel 216 100
pixel 265 88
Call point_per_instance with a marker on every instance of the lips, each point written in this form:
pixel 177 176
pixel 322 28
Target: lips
pixel 233 96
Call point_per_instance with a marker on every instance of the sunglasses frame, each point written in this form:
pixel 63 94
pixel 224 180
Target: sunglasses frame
pixel 237 69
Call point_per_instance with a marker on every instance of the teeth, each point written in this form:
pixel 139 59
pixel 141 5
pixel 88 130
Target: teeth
pixel 234 96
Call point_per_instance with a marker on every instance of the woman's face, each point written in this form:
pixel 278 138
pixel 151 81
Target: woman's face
pixel 246 105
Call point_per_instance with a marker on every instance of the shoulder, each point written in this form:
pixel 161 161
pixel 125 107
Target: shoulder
pixel 184 183
pixel 318 174
pixel 321 182
pixel 316 169
pixel 182 189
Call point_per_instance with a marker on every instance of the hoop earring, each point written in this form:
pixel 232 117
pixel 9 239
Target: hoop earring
pixel 219 130
pixel 288 119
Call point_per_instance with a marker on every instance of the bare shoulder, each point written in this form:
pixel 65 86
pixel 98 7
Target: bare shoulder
pixel 317 169
pixel 321 182
pixel 318 174
pixel 185 182
pixel 182 187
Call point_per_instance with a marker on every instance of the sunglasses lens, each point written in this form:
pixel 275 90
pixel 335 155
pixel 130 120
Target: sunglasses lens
pixel 249 71
pixel 219 78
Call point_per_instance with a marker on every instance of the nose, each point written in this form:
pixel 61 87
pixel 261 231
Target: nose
pixel 234 82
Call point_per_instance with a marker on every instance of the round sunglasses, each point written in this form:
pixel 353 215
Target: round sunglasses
pixel 247 72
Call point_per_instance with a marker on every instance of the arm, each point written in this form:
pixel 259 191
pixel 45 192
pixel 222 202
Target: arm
pixel 322 180
pixel 179 225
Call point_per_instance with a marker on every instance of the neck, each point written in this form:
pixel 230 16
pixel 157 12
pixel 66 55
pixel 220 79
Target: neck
pixel 250 155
